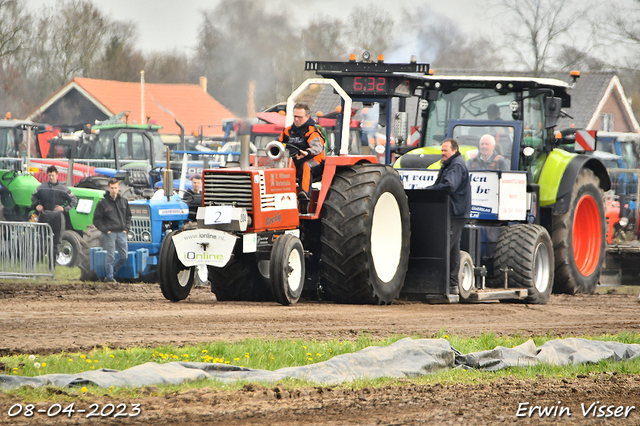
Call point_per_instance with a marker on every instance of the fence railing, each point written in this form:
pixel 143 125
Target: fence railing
pixel 26 250
pixel 11 163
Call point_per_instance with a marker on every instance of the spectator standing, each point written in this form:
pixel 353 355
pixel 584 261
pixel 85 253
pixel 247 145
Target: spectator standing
pixel 193 196
pixel 52 200
pixel 453 177
pixel 113 218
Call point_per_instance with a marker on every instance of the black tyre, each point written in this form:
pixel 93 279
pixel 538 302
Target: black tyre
pixel 175 279
pixel 579 238
pixel 239 280
pixel 70 249
pixel 466 279
pixel 528 253
pixel 90 238
pixel 365 235
pixel 286 269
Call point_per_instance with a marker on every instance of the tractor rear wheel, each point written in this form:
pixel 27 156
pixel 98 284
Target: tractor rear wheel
pixel 175 279
pixel 579 238
pixel 286 269
pixel 238 280
pixel 90 238
pixel 527 252
pixel 365 235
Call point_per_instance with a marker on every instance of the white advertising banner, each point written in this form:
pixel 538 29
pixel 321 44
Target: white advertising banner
pixel 208 246
pixel 513 196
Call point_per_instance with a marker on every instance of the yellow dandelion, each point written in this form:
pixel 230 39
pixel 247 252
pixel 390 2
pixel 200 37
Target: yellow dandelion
pixel 304 347
pixel 227 362
pixel 246 356
pixel 310 359
pixel 95 360
pixel 272 358
pixel 44 364
pixel 92 368
pixel 111 355
pixel 445 336
pixel 70 359
pixel 204 351
pixel 186 355
pixel 308 354
pixel 89 361
pixel 83 356
pixel 84 389
pixel 318 354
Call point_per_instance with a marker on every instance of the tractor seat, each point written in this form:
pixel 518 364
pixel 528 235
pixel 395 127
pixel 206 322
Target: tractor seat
pixel 137 179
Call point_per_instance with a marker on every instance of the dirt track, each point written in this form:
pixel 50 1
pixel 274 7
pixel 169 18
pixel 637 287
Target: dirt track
pixel 50 318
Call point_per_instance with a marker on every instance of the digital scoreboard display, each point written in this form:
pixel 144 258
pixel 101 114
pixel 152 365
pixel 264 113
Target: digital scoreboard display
pixel 366 85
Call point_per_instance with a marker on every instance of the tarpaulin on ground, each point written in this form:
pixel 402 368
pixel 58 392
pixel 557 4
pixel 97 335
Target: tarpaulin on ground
pixel 404 359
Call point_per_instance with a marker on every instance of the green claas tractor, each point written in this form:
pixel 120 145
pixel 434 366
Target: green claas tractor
pixel 15 193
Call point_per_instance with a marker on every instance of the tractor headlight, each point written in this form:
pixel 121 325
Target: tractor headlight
pixel 624 221
pixel 146 236
pixel 130 235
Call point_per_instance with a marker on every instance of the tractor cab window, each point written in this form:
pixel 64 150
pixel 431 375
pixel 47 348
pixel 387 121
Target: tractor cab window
pixel 501 139
pixel 480 104
pixel 158 148
pixel 140 149
pixel 102 149
pixel 7 143
pixel 534 133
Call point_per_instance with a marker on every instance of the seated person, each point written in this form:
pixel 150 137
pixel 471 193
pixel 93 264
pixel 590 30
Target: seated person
pixel 193 197
pixel 308 157
pixel 487 158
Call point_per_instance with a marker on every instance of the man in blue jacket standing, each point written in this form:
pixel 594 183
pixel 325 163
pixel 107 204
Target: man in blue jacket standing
pixel 113 218
pixel 453 177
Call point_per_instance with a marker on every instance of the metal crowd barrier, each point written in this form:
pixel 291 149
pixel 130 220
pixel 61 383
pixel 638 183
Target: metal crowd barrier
pixel 26 250
pixel 11 163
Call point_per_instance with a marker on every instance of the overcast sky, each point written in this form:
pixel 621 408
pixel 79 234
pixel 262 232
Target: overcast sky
pixel 165 25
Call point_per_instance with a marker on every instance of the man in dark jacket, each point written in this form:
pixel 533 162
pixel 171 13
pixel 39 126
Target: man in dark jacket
pixel 193 197
pixel 113 218
pixel 51 200
pixel 309 155
pixel 454 178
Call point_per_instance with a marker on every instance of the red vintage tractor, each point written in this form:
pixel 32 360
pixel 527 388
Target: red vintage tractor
pixel 350 240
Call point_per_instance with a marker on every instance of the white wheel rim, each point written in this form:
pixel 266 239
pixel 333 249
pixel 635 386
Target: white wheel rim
pixel 386 237
pixel 294 271
pixel 66 253
pixel 541 269
pixel 183 277
pixel 466 282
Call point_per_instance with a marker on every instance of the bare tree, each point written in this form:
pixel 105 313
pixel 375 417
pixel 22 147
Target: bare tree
pixel 438 40
pixel 14 27
pixel 120 60
pixel 537 28
pixel 72 36
pixel 323 40
pixel 241 42
pixel 370 29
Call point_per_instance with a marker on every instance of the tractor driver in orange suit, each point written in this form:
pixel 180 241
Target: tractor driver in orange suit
pixel 307 148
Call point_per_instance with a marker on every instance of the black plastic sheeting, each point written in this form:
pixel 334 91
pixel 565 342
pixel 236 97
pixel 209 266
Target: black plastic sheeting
pixel 404 359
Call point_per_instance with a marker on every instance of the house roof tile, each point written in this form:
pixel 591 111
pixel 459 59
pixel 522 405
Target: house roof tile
pixel 191 105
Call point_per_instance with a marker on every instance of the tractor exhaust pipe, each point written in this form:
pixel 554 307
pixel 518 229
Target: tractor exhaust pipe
pixel 244 130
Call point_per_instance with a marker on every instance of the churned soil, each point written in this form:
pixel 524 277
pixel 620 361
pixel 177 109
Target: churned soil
pixel 49 318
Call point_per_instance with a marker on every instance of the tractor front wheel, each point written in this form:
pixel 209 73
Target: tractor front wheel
pixel 526 252
pixel 286 269
pixel 70 249
pixel 175 279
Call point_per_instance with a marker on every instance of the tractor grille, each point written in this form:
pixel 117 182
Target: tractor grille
pixel 228 189
pixel 139 229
